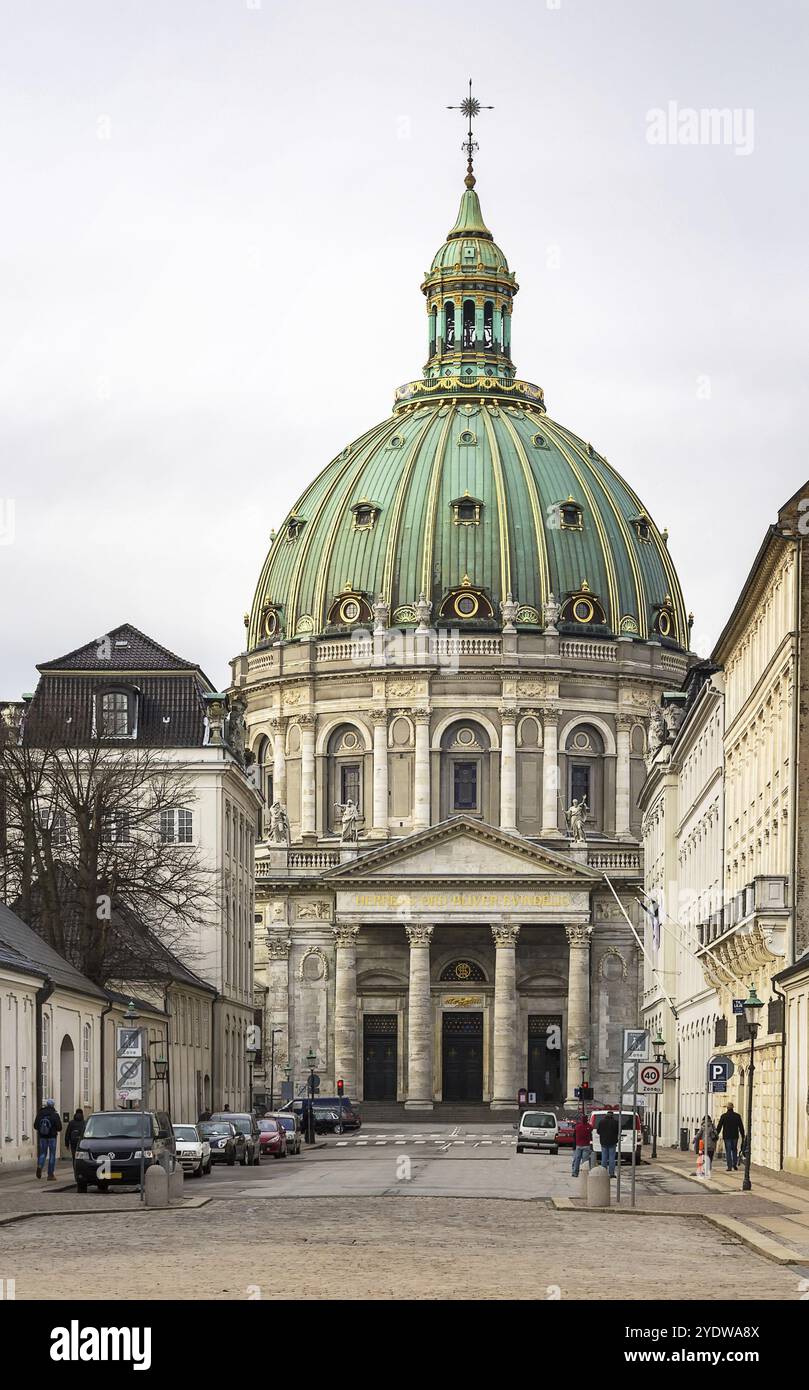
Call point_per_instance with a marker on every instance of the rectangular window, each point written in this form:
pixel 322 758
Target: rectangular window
pixel 350 783
pixel 115 828
pixel 7 1101
pixel 114 715
pixel 465 786
pixel 176 827
pixel 580 783
pixel 24 1099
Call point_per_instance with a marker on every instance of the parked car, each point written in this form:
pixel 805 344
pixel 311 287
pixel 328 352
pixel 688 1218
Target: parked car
pixel 627 1124
pixel 350 1117
pixel 248 1126
pixel 538 1130
pixel 193 1150
pixel 565 1128
pixel 227 1143
pixel 117 1143
pixel 292 1125
pixel 272 1137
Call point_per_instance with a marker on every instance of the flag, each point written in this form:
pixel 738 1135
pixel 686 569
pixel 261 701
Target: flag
pixel 653 913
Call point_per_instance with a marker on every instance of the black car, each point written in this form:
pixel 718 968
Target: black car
pixel 118 1144
pixel 227 1144
pixel 247 1126
pixel 346 1114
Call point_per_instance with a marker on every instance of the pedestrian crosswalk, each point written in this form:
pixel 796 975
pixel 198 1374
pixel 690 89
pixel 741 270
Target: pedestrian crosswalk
pixel 442 1140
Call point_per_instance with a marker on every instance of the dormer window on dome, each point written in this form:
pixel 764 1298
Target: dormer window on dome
pixel 539 441
pixel 294 526
pixel 466 510
pixel 570 515
pixel 349 608
pixel 583 607
pixel 643 530
pixel 270 620
pixel 466 602
pixel 365 514
pixel 664 617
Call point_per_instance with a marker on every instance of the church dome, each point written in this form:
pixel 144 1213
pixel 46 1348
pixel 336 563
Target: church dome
pixel 469 495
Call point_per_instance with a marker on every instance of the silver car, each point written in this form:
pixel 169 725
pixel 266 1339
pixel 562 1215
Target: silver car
pixel 292 1125
pixel 193 1152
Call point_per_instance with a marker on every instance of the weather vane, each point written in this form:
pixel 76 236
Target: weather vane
pixel 471 107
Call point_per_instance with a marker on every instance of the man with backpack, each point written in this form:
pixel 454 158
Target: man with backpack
pixel 47 1125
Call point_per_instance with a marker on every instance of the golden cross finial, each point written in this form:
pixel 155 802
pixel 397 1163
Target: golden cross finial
pixel 470 107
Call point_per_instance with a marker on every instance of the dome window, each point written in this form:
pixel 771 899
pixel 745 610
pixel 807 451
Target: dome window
pixel 349 609
pixel 466 510
pixel 643 530
pixel 270 621
pixel 365 514
pixel 466 602
pixel 583 608
pixel 467 437
pixel 396 441
pixel 294 527
pixel 469 323
pixel 570 515
pixel 539 441
pixel 664 618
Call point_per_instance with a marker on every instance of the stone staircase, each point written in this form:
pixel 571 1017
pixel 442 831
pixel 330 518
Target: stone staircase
pixel 442 1113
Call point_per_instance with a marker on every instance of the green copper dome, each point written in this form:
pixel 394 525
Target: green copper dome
pixel 468 495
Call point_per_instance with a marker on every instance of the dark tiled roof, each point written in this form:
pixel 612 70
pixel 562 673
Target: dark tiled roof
pixel 171 708
pixel 103 653
pixel 24 941
pixel 15 961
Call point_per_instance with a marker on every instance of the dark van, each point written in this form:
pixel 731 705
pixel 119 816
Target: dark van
pixel 109 1152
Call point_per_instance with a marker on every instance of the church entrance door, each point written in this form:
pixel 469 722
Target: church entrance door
pixel 545 1058
pixel 462 1061
pixel 379 1057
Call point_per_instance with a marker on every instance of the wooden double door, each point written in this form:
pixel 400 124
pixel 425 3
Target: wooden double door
pixel 462 1057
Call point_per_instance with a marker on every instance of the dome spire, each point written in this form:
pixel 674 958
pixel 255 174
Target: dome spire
pixel 470 107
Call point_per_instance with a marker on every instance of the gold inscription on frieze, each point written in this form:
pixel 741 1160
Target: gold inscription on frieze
pixel 463 1001
pixel 495 902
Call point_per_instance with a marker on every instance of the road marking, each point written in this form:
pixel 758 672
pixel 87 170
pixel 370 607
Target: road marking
pixel 400 1141
pixel 380 1143
pixel 360 1142
pixel 421 1141
pixel 342 1143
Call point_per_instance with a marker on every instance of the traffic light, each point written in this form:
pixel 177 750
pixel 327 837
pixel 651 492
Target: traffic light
pixel 340 1086
pixel 586 1092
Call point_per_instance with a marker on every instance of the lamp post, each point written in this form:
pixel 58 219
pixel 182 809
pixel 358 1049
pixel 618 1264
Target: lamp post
pixel 659 1045
pixel 272 1065
pixel 131 1017
pixel 752 1006
pixel 583 1060
pixel 310 1112
pixel 161 1073
pixel 288 1075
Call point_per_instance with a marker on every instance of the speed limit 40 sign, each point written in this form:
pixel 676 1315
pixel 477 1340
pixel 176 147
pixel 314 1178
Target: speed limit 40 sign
pixel 650 1077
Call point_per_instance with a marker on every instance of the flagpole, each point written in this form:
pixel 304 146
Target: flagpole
pixel 717 962
pixel 642 949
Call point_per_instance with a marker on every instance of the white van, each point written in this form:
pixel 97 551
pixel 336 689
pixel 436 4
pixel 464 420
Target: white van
pixel 625 1147
pixel 538 1129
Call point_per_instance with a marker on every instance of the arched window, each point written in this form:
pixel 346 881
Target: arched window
pixel 464 770
pixel 433 329
pixel 488 325
pixel 449 324
pixel 469 323
pixel 46 1054
pixel 86 1062
pixel 346 773
pixel 584 748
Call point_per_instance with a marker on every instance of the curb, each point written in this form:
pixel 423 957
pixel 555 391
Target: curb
pixel 187 1204
pixel 763 1245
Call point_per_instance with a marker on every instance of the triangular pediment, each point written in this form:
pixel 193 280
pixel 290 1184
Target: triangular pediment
pixel 461 849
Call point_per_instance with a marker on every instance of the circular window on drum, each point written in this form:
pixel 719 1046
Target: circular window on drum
pixel 466 605
pixel 462 972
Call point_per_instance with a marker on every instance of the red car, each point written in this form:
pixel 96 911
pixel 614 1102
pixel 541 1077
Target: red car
pixel 566 1132
pixel 272 1138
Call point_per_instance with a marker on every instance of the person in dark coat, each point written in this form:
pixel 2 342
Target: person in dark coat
pixel 47 1125
pixel 731 1127
pixel 74 1132
pixel 607 1129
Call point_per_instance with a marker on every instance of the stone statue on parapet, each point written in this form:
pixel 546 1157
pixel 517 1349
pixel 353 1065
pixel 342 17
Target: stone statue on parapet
pixel 349 818
pixel 279 824
pixel 575 816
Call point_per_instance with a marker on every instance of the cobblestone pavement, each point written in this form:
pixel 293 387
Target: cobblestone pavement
pixel 423 1248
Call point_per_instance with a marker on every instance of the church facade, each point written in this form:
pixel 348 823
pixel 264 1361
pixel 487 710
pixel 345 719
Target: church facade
pixel 455 647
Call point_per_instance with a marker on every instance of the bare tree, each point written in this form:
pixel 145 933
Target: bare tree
pixel 95 856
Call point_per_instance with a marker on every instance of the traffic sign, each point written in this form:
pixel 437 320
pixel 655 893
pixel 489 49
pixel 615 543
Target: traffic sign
pixel 650 1077
pixel 130 1042
pixel 636 1044
pixel 719 1086
pixel 129 1079
pixel 720 1070
pixel 738 1006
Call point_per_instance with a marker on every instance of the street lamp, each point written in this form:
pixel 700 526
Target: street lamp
pixel 161 1073
pixel 272 1066
pixel 310 1110
pixel 659 1045
pixel 752 1006
pixel 288 1075
pixel 583 1060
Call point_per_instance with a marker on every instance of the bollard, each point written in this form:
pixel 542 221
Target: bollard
pixel 156 1186
pixel 598 1188
pixel 176 1180
pixel 583 1180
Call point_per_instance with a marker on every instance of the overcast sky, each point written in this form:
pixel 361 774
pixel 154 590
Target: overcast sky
pixel 216 217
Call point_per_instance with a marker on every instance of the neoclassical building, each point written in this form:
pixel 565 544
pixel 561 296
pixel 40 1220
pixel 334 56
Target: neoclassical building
pixel 459 632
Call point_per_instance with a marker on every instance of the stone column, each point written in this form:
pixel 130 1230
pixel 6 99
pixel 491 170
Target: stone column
pixel 308 800
pixel 504 1091
pixel 277 1014
pixel 279 762
pixel 421 780
pixel 345 1006
pixel 380 719
pixel 508 768
pixel 622 787
pixel 578 1003
pixel 419 1022
pixel 550 771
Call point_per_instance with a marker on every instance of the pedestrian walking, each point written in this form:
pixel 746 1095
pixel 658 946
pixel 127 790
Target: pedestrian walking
pixel 74 1132
pixel 732 1130
pixel 47 1125
pixel 607 1129
pixel 583 1137
pixel 710 1147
